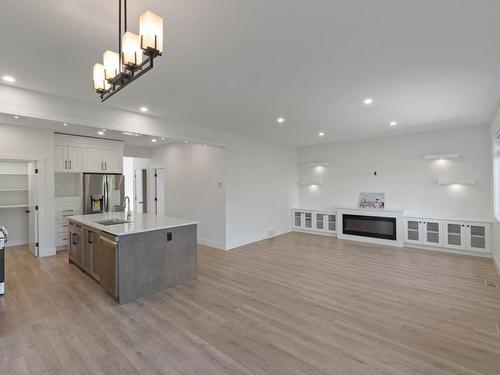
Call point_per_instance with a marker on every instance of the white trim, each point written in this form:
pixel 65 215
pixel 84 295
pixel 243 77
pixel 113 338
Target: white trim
pixel 483 254
pixel 10 243
pixel 215 244
pixel 313 231
pixel 497 263
pixel 47 252
pixel 260 237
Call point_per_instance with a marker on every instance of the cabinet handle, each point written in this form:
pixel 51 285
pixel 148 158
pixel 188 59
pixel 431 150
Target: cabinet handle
pixel 70 164
pixel 105 165
pixel 65 164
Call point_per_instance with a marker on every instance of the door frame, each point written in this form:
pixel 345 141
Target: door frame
pixel 152 185
pixel 41 190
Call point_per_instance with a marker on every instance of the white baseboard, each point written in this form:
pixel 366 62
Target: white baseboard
pixel 16 243
pixel 450 251
pixel 315 232
pixel 256 238
pixel 497 263
pixel 215 244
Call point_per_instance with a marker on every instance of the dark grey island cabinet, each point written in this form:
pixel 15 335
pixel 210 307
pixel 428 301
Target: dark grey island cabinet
pixel 134 259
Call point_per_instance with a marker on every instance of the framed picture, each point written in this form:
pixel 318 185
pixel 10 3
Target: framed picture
pixel 371 200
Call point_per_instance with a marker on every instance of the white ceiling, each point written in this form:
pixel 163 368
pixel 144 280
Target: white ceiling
pixel 142 140
pixel 237 65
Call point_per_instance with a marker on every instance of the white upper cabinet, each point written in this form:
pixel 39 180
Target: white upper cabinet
pixel 113 161
pixel 68 159
pixel 92 160
pixel 84 154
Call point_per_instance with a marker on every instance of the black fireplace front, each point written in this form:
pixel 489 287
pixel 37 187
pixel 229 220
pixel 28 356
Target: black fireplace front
pixel 369 226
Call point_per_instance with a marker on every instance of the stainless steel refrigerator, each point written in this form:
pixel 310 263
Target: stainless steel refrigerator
pixel 103 193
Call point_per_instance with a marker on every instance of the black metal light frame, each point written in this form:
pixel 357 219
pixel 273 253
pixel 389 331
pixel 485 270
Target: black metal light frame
pixel 128 73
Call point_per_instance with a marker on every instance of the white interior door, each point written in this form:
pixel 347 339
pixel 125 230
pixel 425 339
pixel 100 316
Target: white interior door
pixel 160 189
pixel 139 194
pixel 32 209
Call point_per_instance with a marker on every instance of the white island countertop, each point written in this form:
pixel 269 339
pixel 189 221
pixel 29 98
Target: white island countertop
pixel 140 222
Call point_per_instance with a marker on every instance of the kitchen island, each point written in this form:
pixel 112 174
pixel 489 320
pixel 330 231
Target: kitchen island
pixel 135 257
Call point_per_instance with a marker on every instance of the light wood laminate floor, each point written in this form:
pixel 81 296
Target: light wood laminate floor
pixel 296 304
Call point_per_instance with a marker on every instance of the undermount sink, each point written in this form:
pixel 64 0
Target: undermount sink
pixel 113 222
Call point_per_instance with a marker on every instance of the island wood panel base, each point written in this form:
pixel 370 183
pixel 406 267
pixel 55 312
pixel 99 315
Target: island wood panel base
pixel 294 304
pixel 151 261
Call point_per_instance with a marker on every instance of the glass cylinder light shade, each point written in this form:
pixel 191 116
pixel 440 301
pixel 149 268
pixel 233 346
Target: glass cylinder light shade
pixel 151 31
pixel 100 83
pixel 111 64
pixel 131 48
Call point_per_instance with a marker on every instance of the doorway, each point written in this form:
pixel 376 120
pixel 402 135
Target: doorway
pixel 141 190
pixel 159 191
pixel 19 202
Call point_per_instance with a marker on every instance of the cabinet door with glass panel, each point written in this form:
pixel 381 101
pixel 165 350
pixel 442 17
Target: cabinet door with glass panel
pixel 455 234
pixel 432 232
pixel 413 230
pixel 478 236
pixel 297 219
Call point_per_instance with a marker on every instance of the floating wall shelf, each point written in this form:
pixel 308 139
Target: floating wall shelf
pixel 442 156
pixel 316 164
pixel 456 182
pixel 310 183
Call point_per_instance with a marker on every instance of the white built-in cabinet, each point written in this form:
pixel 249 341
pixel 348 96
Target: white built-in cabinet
pixel 424 231
pixel 68 159
pixel 321 222
pixel 460 235
pixel 95 160
pixel 85 154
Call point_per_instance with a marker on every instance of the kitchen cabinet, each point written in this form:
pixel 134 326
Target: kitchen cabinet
pixel 86 154
pixel 90 254
pixel 68 159
pixel 96 253
pixel 100 161
pixel 65 207
pixel 75 243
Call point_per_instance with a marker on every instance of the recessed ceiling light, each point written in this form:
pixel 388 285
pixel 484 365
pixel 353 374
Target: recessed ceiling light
pixel 9 79
pixel 162 138
pixel 65 124
pixel 205 144
pixel 100 132
pixel 393 123
pixel 186 142
pixel 144 109
pixel 280 120
pixel 16 116
pixel 321 134
pixel 368 101
pixel 153 140
pixel 128 133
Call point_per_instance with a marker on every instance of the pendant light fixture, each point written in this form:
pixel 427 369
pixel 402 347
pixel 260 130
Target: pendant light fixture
pixel 135 54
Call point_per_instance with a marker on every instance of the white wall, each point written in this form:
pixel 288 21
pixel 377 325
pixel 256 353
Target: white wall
pixel 194 177
pixel 495 168
pixel 137 152
pixel 31 144
pixel 260 176
pixel 409 181
pixel 261 188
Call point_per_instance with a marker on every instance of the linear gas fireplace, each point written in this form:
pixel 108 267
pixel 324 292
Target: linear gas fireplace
pixel 369 226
